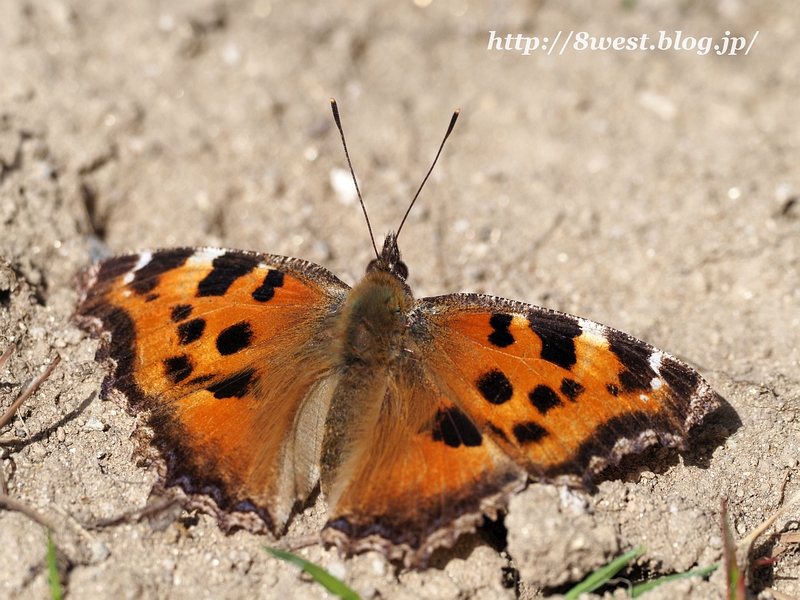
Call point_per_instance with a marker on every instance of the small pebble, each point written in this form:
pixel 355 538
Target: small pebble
pixel 94 424
pixel 99 551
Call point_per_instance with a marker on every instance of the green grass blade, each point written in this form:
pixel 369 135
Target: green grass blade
pixel 320 575
pixel 734 575
pixel 641 588
pixel 52 567
pixel 604 574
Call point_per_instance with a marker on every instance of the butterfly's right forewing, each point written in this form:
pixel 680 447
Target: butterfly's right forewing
pixel 226 355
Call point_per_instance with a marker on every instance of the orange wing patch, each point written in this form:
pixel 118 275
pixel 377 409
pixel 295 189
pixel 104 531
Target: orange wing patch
pixel 203 342
pixel 563 395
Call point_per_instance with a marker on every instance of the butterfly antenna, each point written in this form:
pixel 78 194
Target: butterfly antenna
pixel 446 135
pixel 335 110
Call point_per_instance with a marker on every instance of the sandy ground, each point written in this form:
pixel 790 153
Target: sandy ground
pixel 653 191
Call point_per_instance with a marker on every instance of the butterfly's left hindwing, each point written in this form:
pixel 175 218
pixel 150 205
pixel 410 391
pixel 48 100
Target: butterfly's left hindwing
pixel 224 352
pixel 424 476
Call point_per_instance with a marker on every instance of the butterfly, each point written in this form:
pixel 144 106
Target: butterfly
pixel 260 378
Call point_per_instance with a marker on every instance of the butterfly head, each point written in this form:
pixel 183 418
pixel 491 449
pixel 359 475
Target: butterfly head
pixel 389 259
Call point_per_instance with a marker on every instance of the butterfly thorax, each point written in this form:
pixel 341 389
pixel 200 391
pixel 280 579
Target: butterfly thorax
pixel 373 321
pixel 371 343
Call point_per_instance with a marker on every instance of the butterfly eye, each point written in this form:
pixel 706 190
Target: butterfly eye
pixel 373 265
pixel 401 270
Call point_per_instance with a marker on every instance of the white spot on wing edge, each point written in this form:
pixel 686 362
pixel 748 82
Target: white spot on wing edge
pixel 204 256
pixel 144 259
pixel 655 364
pixel 594 333
pixel 655 361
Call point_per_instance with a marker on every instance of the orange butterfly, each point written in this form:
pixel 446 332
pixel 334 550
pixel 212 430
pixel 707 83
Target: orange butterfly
pixel 261 377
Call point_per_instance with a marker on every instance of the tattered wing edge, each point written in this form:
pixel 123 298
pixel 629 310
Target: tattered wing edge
pixel 444 537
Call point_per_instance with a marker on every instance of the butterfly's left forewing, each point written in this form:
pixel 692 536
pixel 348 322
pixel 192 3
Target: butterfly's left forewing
pixel 564 396
pixel 224 353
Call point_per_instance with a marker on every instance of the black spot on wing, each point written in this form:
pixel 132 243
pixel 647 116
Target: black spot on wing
pixel 612 389
pixel 181 312
pixel 500 336
pixel 455 429
pixel 235 386
pixel 571 389
pixel 145 279
pixel 178 368
pixel 529 433
pixel 495 387
pixel 191 331
pixel 544 398
pixel 200 380
pixel 635 357
pixel 226 270
pixel 234 338
pixel 496 431
pixel 151 297
pixel 558 333
pixel 266 291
